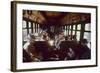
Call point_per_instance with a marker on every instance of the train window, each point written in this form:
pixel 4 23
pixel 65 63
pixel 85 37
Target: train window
pixel 24 34
pixel 66 30
pixel 24 24
pixel 87 36
pixel 29 24
pixel 67 27
pixel 69 32
pixel 39 28
pixel 65 33
pixel 79 27
pixel 74 27
pixel 88 27
pixel 30 31
pixel 33 27
pixel 70 27
pixel 73 33
pixel 78 35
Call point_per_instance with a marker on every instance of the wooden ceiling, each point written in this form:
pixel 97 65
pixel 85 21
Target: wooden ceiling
pixel 56 18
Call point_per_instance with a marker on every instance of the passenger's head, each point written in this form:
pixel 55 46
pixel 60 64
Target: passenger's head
pixel 73 37
pixel 31 38
pixel 84 42
pixel 61 34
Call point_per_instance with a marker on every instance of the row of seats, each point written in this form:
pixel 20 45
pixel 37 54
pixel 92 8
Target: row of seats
pixel 69 50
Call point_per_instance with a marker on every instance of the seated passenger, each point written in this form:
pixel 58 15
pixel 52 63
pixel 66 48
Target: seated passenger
pixel 86 51
pixel 26 56
pixel 82 51
pixel 30 49
pixel 44 36
pixel 69 38
pixel 74 39
pixel 59 39
pixel 31 39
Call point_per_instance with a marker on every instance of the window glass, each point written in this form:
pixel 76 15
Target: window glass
pixel 24 34
pixel 73 33
pixel 70 27
pixel 65 33
pixel 29 24
pixel 33 27
pixel 73 27
pixel 24 24
pixel 38 25
pixel 87 27
pixel 30 31
pixel 78 35
pixel 69 32
pixel 39 28
pixel 79 27
pixel 87 36
pixel 66 27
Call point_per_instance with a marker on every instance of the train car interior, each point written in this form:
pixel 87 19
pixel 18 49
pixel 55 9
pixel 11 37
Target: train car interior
pixel 56 36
